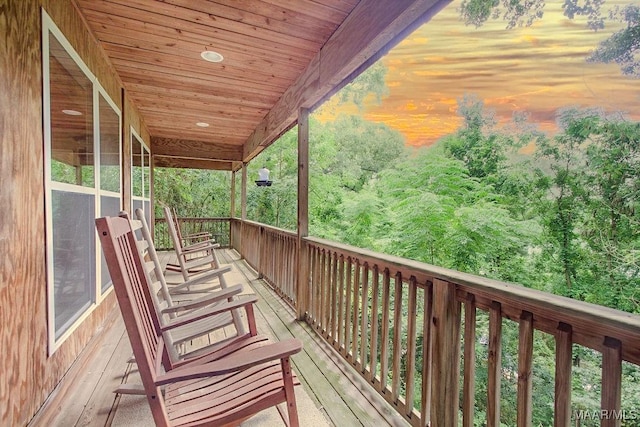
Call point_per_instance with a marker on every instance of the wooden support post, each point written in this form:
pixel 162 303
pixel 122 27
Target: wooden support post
pixel 152 196
pixel 302 282
pixel 445 355
pixel 611 383
pixel 243 196
pixel 562 406
pixel 495 365
pixel 525 376
pixel 243 207
pixel 469 379
pixel 232 212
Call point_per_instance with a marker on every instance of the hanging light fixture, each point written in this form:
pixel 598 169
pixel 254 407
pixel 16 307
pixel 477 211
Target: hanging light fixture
pixel 263 178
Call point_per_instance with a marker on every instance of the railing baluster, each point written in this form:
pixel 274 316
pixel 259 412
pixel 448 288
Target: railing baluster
pixel 495 365
pixel 364 320
pixel 611 382
pixel 564 357
pixel 469 379
pixel 373 350
pixel 334 302
pixel 384 348
pixel 411 344
pixel 397 338
pixel 356 302
pixel 323 292
pixel 316 284
pixel 341 305
pixel 525 378
pixel 348 308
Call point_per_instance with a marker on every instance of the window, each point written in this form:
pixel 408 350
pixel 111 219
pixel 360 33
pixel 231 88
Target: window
pixel 110 170
pixel 140 175
pixel 82 181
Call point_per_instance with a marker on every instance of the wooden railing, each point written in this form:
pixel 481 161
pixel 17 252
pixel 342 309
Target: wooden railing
pixel 272 252
pixel 219 228
pixel 379 312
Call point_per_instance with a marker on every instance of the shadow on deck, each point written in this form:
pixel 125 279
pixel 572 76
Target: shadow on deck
pixel 332 393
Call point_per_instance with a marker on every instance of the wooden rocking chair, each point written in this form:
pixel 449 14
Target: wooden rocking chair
pixel 190 297
pixel 220 388
pixel 192 259
pixel 193 238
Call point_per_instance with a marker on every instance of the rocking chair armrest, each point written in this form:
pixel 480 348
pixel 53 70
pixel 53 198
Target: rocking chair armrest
pixel 205 277
pixel 221 295
pixel 199 247
pixel 245 360
pixel 222 307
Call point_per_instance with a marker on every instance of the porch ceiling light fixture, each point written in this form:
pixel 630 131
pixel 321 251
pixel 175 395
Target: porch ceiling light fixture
pixel 202 124
pixel 72 112
pixel 263 178
pixel 211 56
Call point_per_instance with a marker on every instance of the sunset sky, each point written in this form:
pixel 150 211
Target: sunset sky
pixel 537 69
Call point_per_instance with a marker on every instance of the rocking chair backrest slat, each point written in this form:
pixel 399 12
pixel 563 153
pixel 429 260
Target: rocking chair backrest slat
pixel 171 225
pixel 131 284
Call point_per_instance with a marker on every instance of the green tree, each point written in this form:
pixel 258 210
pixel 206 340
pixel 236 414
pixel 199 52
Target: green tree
pixel 192 192
pixel 476 143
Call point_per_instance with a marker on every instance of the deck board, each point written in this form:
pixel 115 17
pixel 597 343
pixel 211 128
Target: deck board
pixel 343 395
pixel 89 401
pixel 332 393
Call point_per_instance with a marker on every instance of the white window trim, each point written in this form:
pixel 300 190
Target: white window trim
pixel 98 92
pixel 49 27
pixel 143 146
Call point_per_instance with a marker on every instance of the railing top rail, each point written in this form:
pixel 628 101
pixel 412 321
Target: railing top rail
pixel 196 218
pixel 587 317
pixel 272 228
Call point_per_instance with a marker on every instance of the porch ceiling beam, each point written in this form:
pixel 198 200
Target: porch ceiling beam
pixel 175 147
pixel 368 33
pixel 190 163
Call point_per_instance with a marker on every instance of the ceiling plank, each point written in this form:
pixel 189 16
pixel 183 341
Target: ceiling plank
pixel 370 30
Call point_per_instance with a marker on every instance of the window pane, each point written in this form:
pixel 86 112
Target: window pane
pixel 109 206
pixel 73 256
pixel 136 168
pixel 109 147
pixel 71 119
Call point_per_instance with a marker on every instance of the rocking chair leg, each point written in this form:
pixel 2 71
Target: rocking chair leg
pixel 289 392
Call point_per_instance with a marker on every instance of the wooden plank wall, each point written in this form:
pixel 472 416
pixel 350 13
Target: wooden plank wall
pixel 27 374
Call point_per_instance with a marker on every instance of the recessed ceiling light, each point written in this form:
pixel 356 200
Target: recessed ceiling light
pixel 202 124
pixel 211 56
pixel 72 112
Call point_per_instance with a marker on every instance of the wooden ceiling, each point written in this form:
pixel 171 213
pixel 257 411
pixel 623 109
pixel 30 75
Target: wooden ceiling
pixel 279 56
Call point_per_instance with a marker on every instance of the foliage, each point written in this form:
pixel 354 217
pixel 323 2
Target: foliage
pixel 192 192
pixel 368 83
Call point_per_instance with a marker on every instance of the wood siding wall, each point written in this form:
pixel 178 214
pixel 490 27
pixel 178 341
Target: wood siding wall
pixel 27 374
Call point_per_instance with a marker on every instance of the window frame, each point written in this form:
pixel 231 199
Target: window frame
pixel 50 29
pixel 145 184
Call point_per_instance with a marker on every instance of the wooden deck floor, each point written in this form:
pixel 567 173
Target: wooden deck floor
pixel 332 393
